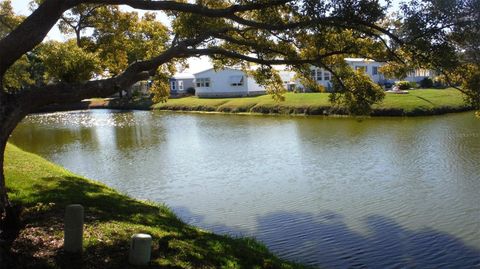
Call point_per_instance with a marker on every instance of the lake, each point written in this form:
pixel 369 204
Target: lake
pixel 324 191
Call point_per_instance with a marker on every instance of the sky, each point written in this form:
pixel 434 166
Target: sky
pixel 195 64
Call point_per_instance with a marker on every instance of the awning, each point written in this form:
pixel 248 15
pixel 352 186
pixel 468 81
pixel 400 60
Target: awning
pixel 236 79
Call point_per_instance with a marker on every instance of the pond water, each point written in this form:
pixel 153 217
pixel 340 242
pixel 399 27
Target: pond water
pixel 329 192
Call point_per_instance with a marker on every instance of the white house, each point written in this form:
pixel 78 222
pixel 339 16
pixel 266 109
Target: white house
pixel 419 74
pixel 225 83
pixel 180 83
pixel 230 82
pixel 288 78
pixel 371 68
pixel 322 77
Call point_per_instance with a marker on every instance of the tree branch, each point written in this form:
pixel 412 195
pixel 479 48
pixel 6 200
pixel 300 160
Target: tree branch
pixel 36 26
pixel 35 97
pixel 235 55
pixel 188 8
pixel 30 32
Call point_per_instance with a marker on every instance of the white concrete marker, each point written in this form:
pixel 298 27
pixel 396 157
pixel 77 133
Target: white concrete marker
pixel 73 230
pixel 140 249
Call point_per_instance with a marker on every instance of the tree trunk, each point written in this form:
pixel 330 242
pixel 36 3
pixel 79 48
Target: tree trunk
pixel 10 116
pixel 78 37
pixel 11 113
pixel 4 202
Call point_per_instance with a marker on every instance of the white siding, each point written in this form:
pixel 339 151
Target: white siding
pixel 254 88
pixel 177 81
pixel 175 87
pixel 369 65
pixel 221 84
pixel 418 75
pixel 321 76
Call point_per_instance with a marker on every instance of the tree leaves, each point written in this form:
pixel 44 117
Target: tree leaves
pixel 66 62
pixel 356 91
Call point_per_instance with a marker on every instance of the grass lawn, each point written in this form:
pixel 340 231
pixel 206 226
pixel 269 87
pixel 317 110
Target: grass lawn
pixel 424 100
pixel 417 102
pixel 44 189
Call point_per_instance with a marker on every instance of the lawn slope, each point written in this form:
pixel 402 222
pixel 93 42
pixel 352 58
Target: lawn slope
pixel 44 189
pixel 416 103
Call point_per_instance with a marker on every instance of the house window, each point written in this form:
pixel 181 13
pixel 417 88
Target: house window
pixel 326 75
pixel 180 85
pixel 362 67
pixel 313 73
pixel 236 80
pixel 172 85
pixel 374 70
pixel 203 82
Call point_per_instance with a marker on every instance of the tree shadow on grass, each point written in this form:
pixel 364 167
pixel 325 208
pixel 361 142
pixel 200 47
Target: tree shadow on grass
pixel 325 240
pixel 100 202
pixel 110 219
pixel 426 100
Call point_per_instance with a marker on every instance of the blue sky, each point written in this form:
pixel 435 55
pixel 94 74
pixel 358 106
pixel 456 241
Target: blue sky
pixel 196 64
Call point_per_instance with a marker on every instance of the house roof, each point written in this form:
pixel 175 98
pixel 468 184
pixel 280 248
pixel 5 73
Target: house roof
pixel 183 76
pixel 226 68
pixel 358 60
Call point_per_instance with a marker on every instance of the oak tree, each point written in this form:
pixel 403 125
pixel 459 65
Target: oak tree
pixel 295 33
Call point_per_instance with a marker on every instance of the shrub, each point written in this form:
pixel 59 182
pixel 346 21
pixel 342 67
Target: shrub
pixel 387 85
pixel 413 85
pixel 191 91
pixel 438 84
pixel 426 83
pixel 317 88
pixel 403 85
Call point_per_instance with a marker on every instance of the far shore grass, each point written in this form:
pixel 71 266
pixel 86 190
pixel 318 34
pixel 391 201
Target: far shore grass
pixel 418 102
pixel 43 189
pixel 415 103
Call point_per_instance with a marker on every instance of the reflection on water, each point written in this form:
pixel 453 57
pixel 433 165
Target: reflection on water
pixel 397 192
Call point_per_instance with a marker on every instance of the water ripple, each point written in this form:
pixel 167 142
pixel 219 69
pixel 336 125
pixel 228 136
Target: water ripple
pixel 334 193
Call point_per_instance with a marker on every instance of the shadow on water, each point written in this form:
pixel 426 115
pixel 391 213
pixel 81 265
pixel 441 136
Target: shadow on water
pixel 326 241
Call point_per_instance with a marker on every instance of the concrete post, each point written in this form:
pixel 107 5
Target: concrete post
pixel 73 230
pixel 140 249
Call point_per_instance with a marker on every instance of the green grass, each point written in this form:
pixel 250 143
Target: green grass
pixel 417 102
pixel 44 189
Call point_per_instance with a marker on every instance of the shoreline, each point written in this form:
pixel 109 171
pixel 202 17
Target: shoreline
pixel 417 103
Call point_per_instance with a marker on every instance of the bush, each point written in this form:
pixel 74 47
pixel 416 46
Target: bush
pixel 413 85
pixel 317 88
pixel 191 91
pixel 426 83
pixel 403 85
pixel 438 84
pixel 387 85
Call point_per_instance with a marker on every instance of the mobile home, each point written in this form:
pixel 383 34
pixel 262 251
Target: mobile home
pixel 180 83
pixel 227 82
pixel 371 68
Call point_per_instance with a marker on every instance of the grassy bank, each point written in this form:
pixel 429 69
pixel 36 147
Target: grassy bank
pixel 44 189
pixel 101 103
pixel 417 102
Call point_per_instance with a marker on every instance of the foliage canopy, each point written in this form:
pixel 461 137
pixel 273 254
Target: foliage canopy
pixel 115 48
